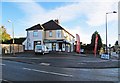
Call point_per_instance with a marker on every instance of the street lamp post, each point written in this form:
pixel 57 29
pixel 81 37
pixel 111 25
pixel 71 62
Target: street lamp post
pixel 106 29
pixel 13 35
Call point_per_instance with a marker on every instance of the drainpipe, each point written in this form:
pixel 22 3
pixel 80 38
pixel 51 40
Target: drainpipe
pixel 27 40
pixel 43 33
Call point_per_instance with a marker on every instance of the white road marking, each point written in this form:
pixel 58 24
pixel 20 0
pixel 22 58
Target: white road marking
pixel 45 64
pixel 60 74
pixel 2 64
pixel 6 81
pixel 27 69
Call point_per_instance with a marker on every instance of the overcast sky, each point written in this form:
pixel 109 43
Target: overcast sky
pixel 78 17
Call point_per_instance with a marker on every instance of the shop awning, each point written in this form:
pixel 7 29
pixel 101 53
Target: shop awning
pixel 54 41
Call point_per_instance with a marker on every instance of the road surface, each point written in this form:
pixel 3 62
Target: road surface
pixel 17 71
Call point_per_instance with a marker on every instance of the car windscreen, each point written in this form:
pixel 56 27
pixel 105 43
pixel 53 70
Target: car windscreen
pixel 39 47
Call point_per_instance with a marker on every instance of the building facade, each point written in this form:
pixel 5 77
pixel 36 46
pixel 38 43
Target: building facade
pixel 119 23
pixel 51 34
pixel 57 38
pixel 34 35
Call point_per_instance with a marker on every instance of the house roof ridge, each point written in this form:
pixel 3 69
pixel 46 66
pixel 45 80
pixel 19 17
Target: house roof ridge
pixel 50 25
pixel 68 32
pixel 35 27
pixel 47 22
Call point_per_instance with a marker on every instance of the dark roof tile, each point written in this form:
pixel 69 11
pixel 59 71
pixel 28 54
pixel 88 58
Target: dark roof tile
pixel 51 25
pixel 36 27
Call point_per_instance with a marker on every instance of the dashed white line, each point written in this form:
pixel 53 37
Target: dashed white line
pixel 2 64
pixel 45 64
pixel 27 69
pixel 6 81
pixel 53 73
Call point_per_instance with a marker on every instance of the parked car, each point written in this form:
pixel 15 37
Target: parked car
pixel 41 49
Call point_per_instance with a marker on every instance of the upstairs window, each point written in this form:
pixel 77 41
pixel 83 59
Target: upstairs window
pixel 58 34
pixel 35 34
pixel 50 33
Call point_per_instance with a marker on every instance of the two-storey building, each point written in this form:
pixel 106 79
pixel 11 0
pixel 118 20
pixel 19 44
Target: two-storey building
pixel 55 37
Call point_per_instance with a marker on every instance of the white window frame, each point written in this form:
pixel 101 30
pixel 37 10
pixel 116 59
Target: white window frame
pixel 50 33
pixel 35 33
pixel 58 34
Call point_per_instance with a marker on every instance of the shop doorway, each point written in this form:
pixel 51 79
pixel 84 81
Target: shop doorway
pixel 60 46
pixel 53 46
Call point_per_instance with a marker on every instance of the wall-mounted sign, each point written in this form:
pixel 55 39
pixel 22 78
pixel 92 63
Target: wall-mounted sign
pixel 105 56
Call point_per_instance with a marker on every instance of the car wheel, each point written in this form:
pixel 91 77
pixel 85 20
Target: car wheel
pixel 43 53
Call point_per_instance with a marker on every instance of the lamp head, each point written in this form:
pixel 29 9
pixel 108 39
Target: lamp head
pixel 114 12
pixel 111 12
pixel 9 21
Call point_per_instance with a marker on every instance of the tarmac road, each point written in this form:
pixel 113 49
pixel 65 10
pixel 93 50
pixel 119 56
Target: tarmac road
pixel 68 61
pixel 28 67
pixel 16 71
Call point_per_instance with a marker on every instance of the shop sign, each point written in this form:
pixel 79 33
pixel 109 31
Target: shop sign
pixel 105 56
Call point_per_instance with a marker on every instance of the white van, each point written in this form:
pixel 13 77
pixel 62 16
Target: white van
pixel 42 49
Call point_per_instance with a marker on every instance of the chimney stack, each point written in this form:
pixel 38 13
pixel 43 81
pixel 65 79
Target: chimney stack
pixel 57 21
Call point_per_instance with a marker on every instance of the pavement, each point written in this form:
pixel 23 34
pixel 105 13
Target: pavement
pixel 66 60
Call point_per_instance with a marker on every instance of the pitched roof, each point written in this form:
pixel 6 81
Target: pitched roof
pixel 51 25
pixel 17 41
pixel 68 32
pixel 36 27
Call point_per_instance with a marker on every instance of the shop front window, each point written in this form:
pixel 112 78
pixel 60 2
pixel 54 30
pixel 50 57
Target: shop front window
pixel 54 46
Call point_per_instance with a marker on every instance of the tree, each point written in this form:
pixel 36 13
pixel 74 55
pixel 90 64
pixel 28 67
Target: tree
pixel 99 45
pixel 16 41
pixel 3 34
